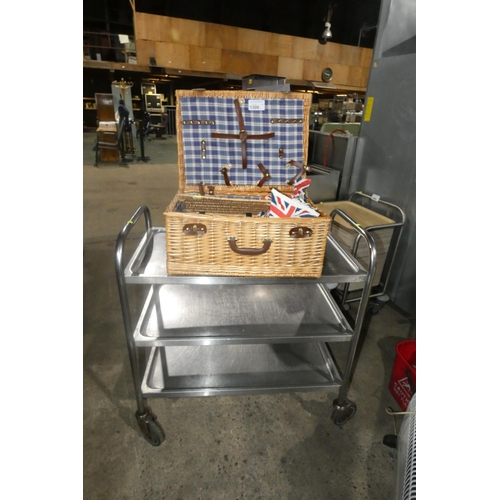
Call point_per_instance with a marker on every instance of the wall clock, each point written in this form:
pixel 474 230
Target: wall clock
pixel 327 74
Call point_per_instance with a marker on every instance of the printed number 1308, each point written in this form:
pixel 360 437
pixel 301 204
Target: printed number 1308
pixel 256 105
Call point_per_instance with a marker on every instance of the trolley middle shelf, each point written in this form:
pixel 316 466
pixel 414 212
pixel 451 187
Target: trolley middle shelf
pixel 185 314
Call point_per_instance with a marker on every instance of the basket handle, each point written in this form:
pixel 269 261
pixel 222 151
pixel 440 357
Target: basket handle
pixel 249 251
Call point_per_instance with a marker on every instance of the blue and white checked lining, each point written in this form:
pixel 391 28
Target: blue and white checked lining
pixel 223 152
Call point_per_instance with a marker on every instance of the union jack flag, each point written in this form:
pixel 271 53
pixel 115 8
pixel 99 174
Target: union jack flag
pixel 283 206
pixel 299 189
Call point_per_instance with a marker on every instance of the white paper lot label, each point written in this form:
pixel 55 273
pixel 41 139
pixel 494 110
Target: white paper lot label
pixel 256 104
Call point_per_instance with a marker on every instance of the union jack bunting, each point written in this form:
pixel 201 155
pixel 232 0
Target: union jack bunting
pixel 299 189
pixel 283 206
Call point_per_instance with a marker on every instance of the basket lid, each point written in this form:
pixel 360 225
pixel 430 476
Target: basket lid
pixel 241 140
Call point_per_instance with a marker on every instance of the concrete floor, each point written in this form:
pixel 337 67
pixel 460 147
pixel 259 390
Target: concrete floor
pixel 282 446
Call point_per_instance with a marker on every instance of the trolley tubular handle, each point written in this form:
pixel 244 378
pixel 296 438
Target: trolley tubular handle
pixel 397 225
pixel 120 242
pixel 122 291
pixel 395 208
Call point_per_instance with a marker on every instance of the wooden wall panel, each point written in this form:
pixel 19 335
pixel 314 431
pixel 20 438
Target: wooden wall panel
pixel 355 76
pixel 340 74
pixel 304 48
pixel 149 27
pixel 145 50
pixel 312 71
pixel 330 53
pixel 349 55
pixel 205 59
pixel 290 68
pixel 192 45
pixel 245 63
pixel 172 55
pixel 253 41
pixel 366 57
pixel 140 22
pixel 166 29
pixel 187 32
pixel 280 45
pixel 169 29
pixel 221 37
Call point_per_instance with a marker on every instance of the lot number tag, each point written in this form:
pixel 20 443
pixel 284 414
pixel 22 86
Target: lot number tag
pixel 256 104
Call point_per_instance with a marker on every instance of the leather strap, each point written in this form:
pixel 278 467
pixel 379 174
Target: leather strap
pixel 300 173
pixel 201 189
pixel 217 135
pixel 239 114
pixel 224 171
pixel 265 173
pixel 243 135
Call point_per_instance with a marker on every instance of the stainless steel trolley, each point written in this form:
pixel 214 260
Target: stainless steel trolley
pixel 378 206
pixel 213 336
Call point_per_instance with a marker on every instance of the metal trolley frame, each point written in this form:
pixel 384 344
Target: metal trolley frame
pixel 378 292
pixel 276 337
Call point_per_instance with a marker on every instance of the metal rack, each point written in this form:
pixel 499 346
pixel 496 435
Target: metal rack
pixel 213 336
pixel 378 292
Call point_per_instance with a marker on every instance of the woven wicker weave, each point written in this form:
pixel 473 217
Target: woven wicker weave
pixel 231 213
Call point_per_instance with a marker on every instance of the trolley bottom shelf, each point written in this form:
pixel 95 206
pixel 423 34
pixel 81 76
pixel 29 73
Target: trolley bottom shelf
pixel 218 370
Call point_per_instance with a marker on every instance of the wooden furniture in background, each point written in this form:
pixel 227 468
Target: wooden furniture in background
pixel 107 133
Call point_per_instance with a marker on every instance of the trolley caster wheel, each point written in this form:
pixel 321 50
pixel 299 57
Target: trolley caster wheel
pixel 342 414
pixel 346 307
pixel 150 428
pixel 390 440
pixel 374 309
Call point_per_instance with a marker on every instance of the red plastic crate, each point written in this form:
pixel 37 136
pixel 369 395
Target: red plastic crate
pixel 406 360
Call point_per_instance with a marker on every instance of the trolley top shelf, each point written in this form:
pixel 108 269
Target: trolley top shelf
pixel 148 266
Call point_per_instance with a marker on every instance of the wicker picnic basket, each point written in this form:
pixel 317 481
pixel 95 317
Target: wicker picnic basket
pixel 234 147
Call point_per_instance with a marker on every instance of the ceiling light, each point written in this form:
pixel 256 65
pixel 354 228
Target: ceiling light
pixel 328 32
